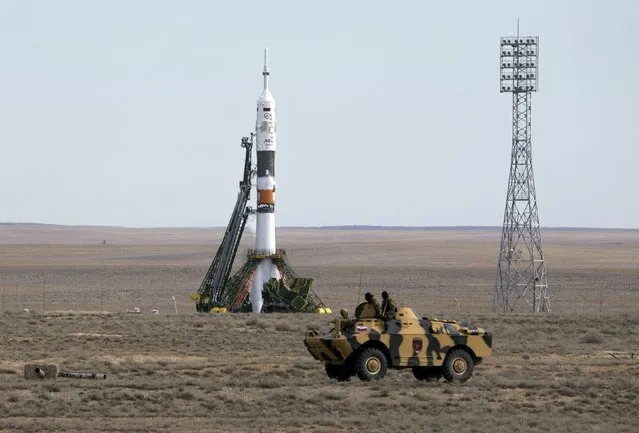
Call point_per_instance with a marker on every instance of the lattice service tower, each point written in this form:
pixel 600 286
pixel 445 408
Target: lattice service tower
pixel 521 279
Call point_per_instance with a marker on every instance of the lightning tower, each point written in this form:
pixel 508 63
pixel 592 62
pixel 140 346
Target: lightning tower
pixel 521 278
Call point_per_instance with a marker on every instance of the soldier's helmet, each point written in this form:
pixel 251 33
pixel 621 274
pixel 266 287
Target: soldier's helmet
pixel 384 294
pixel 368 296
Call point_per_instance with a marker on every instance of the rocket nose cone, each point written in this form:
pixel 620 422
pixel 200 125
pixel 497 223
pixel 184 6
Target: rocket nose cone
pixel 266 95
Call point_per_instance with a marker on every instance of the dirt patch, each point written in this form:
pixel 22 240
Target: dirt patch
pixel 158 359
pixel 86 334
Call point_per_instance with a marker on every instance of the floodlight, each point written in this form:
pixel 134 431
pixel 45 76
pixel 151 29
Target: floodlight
pixel 518 64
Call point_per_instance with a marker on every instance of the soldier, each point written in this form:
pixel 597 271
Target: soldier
pixel 370 300
pixel 388 306
pixel 375 305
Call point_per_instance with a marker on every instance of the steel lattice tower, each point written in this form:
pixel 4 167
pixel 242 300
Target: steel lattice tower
pixel 521 279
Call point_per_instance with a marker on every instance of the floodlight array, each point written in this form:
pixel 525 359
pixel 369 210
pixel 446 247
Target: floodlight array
pixel 519 64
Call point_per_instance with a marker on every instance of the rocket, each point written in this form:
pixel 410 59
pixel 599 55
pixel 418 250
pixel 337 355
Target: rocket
pixel 266 146
pixel 265 131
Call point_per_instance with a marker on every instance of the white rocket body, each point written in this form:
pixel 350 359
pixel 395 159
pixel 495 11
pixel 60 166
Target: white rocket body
pixel 265 130
pixel 266 142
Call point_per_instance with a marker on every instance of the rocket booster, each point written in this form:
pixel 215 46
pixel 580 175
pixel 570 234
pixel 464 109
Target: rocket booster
pixel 265 130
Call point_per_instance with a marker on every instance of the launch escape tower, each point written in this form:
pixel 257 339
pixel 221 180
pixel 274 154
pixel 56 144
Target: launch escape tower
pixel 521 278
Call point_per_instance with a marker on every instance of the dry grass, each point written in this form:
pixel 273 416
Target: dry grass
pixel 576 369
pixel 247 375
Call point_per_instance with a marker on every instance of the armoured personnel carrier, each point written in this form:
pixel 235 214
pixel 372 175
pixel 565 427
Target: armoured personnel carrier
pixel 367 346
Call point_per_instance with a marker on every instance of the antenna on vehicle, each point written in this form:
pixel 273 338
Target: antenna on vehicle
pixel 359 293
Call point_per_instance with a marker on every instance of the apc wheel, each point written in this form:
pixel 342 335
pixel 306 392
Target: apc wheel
pixel 432 374
pixel 458 366
pixel 371 364
pixel 340 372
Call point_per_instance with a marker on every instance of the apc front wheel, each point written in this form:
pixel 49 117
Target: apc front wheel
pixel 458 366
pixel 371 364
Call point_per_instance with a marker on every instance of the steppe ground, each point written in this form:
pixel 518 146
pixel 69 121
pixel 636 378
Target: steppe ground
pixel 576 369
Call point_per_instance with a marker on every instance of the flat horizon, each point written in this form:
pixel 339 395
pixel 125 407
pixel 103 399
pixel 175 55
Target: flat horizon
pixel 323 227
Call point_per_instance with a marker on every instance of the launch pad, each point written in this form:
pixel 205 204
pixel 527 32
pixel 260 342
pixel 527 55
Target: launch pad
pixel 290 293
pixel 220 292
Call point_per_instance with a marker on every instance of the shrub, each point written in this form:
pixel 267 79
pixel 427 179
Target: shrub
pixel 591 338
pixel 52 387
pixel 283 326
pixel 185 395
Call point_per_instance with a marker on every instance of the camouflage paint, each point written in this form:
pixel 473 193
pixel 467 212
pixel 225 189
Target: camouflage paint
pixel 407 340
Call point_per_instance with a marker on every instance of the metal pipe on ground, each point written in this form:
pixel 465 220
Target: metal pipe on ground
pixel 81 375
pixel 50 371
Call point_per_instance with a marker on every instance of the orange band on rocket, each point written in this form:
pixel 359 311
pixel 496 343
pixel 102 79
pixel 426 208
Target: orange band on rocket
pixel 266 196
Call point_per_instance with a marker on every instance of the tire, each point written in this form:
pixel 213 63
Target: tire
pixel 342 373
pixel 458 366
pixel 371 364
pixel 432 374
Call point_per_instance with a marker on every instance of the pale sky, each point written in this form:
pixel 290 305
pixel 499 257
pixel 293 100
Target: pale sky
pixel 389 112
